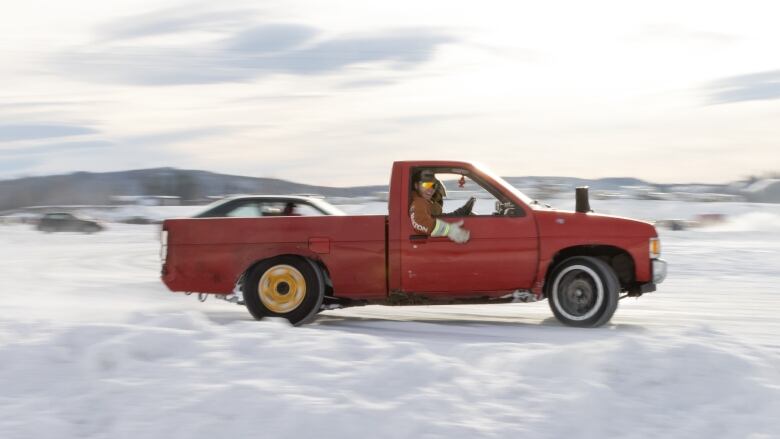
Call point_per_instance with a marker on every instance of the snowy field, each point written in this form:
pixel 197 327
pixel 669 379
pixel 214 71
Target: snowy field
pixel 92 345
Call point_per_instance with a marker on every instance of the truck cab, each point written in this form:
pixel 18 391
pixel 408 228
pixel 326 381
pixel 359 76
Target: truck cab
pixel 501 255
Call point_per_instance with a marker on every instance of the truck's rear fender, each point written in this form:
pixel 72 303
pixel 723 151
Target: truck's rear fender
pixel 618 258
pixel 306 256
pixel 356 277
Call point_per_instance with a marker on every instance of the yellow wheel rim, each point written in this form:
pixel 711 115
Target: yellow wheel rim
pixel 282 288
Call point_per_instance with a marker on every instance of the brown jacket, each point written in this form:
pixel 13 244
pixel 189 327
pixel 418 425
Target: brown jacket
pixel 423 214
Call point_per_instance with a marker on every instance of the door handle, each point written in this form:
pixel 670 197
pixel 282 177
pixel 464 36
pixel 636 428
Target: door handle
pixel 419 239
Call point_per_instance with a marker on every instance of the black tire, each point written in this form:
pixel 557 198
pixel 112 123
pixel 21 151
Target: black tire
pixel 583 291
pixel 292 288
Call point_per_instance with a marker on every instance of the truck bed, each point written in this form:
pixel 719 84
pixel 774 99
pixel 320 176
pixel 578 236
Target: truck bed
pixel 212 253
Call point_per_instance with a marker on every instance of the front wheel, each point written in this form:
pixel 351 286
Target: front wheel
pixel 583 291
pixel 287 286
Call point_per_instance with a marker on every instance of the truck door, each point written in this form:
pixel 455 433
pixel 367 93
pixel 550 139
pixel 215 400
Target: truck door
pixel 501 255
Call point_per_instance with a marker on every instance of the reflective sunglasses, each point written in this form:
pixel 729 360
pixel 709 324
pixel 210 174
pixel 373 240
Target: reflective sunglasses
pixel 427 184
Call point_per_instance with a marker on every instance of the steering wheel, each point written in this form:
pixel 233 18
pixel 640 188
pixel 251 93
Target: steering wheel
pixel 468 207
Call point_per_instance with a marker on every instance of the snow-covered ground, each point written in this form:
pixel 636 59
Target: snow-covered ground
pixel 92 345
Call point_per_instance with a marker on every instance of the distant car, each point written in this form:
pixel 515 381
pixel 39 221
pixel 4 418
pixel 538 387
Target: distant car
pixel 67 222
pixel 137 219
pixel 250 206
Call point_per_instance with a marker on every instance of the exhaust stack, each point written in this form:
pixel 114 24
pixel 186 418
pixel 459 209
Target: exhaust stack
pixel 583 203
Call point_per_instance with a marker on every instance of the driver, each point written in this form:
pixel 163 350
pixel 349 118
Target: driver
pixel 423 210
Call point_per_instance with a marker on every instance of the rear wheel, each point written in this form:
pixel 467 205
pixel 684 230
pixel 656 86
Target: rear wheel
pixel 287 286
pixel 583 291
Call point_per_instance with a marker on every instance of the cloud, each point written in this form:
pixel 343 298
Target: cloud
pixel 119 148
pixel 249 53
pixel 169 137
pixel 170 21
pixel 751 87
pixel 10 133
pixel 53 148
pixel 279 97
pixel 404 47
pixel 43 104
pixel 675 33
pixel 270 38
pixel 153 66
pixel 424 119
pixel 361 83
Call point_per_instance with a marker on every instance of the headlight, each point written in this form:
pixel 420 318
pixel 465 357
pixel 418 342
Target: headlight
pixel 655 248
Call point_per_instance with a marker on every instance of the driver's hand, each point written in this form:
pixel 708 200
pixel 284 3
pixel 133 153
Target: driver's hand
pixel 462 210
pixel 457 233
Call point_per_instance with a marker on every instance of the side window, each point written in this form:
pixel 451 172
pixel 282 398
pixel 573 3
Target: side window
pixel 457 191
pixel 456 186
pixel 246 210
pixel 307 210
pixel 290 208
pixel 274 208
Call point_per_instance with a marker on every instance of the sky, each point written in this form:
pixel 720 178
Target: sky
pixel 331 93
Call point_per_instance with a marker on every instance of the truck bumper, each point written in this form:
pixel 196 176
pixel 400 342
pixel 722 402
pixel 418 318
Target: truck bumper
pixel 644 288
pixel 659 271
pixel 659 275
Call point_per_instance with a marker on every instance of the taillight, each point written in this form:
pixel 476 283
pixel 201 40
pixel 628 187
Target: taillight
pixel 163 245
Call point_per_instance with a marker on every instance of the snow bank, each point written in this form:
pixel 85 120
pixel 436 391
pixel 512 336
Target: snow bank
pixel 180 375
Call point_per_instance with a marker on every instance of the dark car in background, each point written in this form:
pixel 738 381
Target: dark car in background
pixel 250 206
pixel 67 222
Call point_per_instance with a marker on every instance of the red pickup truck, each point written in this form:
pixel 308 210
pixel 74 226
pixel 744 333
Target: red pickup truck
pixel 519 250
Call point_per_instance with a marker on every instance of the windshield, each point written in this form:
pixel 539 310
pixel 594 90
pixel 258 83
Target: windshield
pixel 523 197
pixel 211 206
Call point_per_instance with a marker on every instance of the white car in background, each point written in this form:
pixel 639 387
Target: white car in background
pixel 249 206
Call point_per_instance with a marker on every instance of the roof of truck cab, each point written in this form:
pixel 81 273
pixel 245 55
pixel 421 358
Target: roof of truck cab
pixel 434 163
